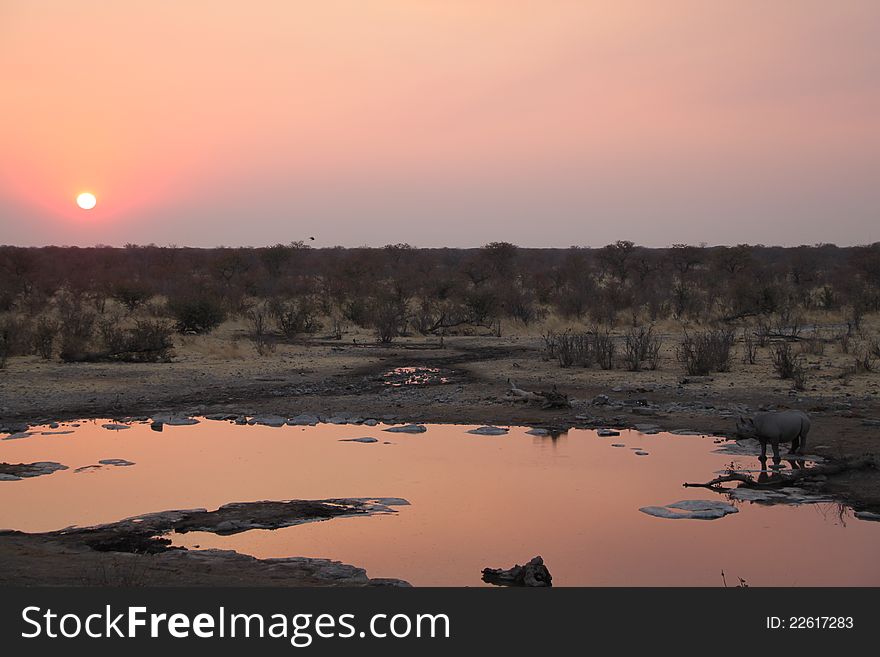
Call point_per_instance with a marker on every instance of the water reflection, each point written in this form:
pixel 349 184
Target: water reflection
pixel 477 501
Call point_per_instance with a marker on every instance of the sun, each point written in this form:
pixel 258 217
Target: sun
pixel 86 200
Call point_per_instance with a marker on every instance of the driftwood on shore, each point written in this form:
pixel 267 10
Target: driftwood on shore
pixel 783 480
pixel 551 399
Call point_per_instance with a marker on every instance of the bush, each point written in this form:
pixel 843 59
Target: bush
pixel 132 295
pixel 750 354
pixel 641 345
pixel 569 348
pixel 295 317
pixel 789 365
pixel 388 317
pixel 76 329
pixel 786 363
pixel 604 348
pixel 147 341
pixel 259 333
pixel 705 352
pixel 14 336
pixel 45 332
pixel 196 315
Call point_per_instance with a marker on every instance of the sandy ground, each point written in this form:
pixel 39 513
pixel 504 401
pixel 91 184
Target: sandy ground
pixel 223 373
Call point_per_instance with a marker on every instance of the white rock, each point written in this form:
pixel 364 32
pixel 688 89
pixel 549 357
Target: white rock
pixel 115 427
pixel 488 431
pixel 691 510
pixel 407 428
pixel 537 431
pixel 606 433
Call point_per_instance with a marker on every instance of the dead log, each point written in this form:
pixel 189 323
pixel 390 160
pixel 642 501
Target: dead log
pixel 551 399
pixel 783 480
pixel 554 399
pixel 518 394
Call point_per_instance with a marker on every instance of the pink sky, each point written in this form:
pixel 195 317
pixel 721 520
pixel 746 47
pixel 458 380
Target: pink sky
pixel 440 122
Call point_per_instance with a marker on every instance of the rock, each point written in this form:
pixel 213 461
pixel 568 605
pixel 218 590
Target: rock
pixel 686 432
pixel 303 420
pixel 868 515
pixel 88 468
pixel 488 431
pixel 640 452
pixel 691 510
pixel 173 420
pixel 20 435
pixel 112 426
pixel 618 445
pixel 407 428
pixel 116 462
pixel 16 471
pixel 13 427
pixel 338 419
pixel 601 400
pixel 54 433
pixel 366 439
pixel 607 433
pixel 537 431
pixel 534 573
pixel 268 420
pixel 647 428
pixel 370 422
pixel 871 422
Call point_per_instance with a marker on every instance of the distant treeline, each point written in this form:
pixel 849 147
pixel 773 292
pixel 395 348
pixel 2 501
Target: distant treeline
pixel 431 290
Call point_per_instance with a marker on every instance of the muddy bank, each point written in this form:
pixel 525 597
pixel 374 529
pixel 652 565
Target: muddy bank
pixel 136 552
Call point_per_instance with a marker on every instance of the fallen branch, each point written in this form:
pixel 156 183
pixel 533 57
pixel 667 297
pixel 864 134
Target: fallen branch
pixel 551 399
pixel 782 480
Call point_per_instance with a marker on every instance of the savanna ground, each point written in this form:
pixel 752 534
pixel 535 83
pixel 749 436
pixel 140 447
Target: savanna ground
pixel 222 372
pixel 699 336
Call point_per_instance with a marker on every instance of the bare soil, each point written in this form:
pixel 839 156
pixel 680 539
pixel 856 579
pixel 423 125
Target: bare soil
pixel 222 373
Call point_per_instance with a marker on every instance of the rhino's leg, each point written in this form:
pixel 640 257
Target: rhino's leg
pixel 794 444
pixel 776 458
pixel 803 436
pixel 763 450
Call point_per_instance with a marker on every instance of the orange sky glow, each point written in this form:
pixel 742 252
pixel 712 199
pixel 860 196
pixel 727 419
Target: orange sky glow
pixel 440 122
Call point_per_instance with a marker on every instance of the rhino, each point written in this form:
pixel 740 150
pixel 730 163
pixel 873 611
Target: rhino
pixel 774 428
